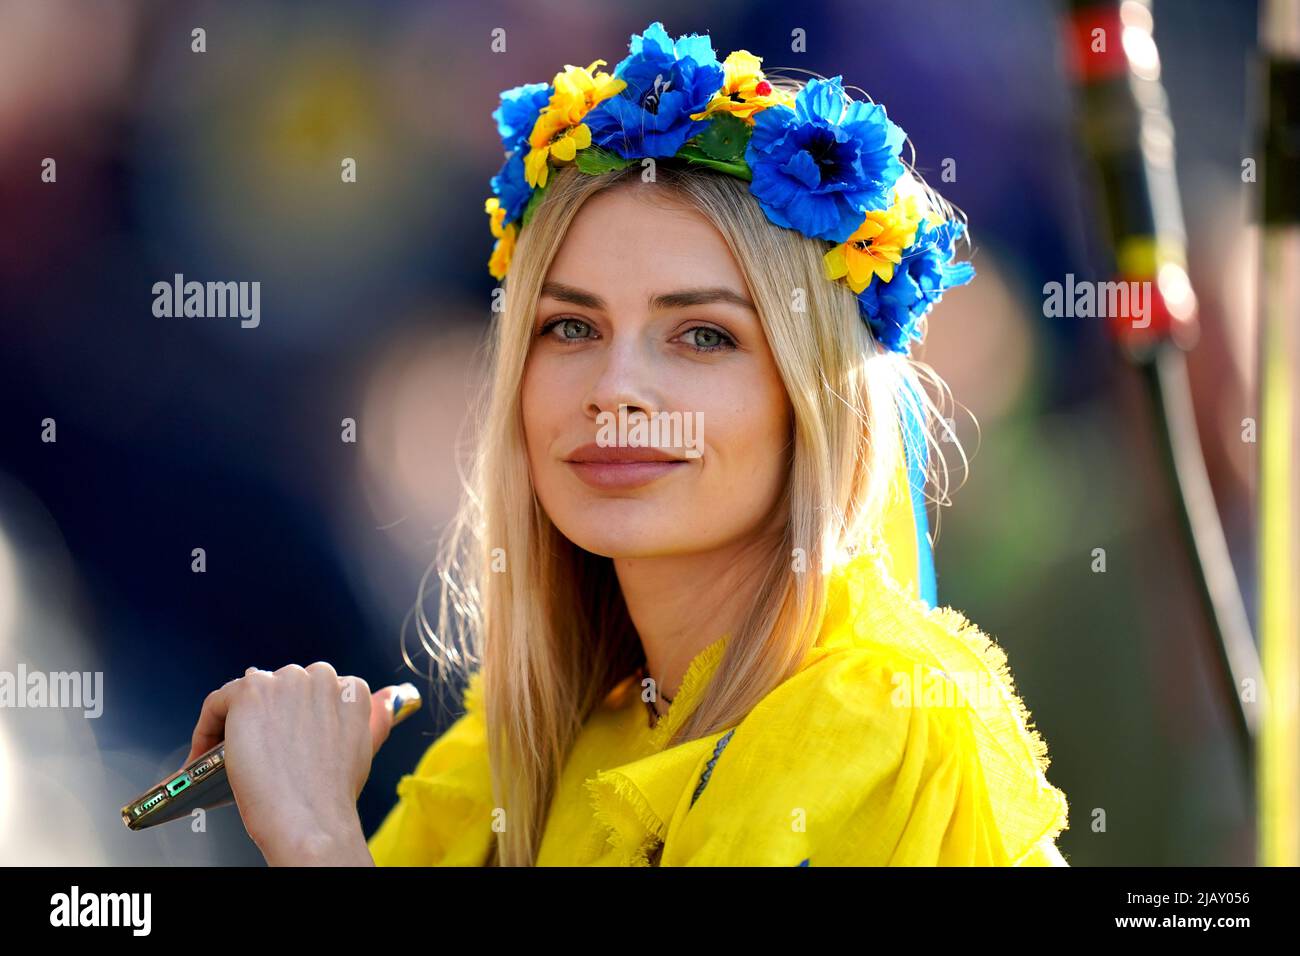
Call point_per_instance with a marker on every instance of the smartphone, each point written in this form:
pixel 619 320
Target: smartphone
pixel 204 783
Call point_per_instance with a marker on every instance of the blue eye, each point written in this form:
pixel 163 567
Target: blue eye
pixel 571 329
pixel 701 338
pixel 712 340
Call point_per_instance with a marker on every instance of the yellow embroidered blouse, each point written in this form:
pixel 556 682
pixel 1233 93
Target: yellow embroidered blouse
pixel 900 741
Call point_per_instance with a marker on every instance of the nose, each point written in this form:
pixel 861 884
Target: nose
pixel 625 378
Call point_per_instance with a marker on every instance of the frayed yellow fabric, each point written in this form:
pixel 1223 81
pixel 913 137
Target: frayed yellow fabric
pixel 874 611
pixel 831 767
pixel 633 802
pixel 619 807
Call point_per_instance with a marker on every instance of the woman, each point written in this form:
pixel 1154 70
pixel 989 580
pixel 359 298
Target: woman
pixel 686 584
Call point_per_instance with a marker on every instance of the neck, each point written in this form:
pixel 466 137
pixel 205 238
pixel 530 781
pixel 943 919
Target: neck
pixel 680 604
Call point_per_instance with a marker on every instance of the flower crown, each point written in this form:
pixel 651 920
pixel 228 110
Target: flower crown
pixel 818 162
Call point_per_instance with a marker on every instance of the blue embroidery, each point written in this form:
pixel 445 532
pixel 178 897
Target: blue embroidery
pixel 708 768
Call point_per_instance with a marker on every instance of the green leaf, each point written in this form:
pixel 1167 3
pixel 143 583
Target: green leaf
pixel 593 161
pixel 695 155
pixel 725 138
pixel 533 202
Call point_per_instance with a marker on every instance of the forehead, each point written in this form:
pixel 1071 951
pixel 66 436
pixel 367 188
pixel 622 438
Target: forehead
pixel 646 238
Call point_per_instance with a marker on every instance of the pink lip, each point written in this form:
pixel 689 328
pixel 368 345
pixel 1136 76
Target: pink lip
pixel 628 467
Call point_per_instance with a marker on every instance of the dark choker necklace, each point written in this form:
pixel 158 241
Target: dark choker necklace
pixel 655 716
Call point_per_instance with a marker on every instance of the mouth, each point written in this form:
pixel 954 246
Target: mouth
pixel 607 468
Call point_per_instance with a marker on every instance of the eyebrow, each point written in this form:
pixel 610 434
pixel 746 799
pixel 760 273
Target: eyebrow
pixel 668 300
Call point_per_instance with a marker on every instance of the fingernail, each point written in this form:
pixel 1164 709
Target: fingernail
pixel 406 701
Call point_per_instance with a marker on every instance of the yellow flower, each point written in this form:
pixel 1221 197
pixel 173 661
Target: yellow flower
pixel 577 89
pixel 744 90
pixel 559 131
pixel 504 247
pixel 497 215
pixel 876 246
pixel 553 137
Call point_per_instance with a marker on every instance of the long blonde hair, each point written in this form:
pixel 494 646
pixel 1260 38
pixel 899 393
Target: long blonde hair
pixel 545 620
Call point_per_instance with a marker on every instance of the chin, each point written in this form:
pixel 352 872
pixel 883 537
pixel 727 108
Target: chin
pixel 610 531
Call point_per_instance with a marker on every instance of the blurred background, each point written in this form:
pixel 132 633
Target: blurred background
pixel 175 434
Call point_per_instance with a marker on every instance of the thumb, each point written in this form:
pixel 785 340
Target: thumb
pixel 389 706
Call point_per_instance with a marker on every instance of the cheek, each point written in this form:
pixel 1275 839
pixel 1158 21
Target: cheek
pixel 747 428
pixel 551 398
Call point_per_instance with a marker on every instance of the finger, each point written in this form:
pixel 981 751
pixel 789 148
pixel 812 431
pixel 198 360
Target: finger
pixel 210 729
pixel 324 668
pixel 381 715
pixel 388 707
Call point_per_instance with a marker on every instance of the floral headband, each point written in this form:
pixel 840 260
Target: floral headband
pixel 818 162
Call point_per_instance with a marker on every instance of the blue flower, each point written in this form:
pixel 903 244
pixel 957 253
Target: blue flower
pixel 895 308
pixel 510 186
pixel 518 113
pixel 819 167
pixel 666 83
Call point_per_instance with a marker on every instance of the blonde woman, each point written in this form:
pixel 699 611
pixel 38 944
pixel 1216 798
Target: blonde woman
pixel 687 588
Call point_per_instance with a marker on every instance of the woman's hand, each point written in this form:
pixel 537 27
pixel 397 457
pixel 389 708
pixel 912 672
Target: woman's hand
pixel 299 744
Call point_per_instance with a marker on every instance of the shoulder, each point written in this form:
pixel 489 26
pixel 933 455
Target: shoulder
pixel 462 745
pixel 900 741
pixel 443 815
